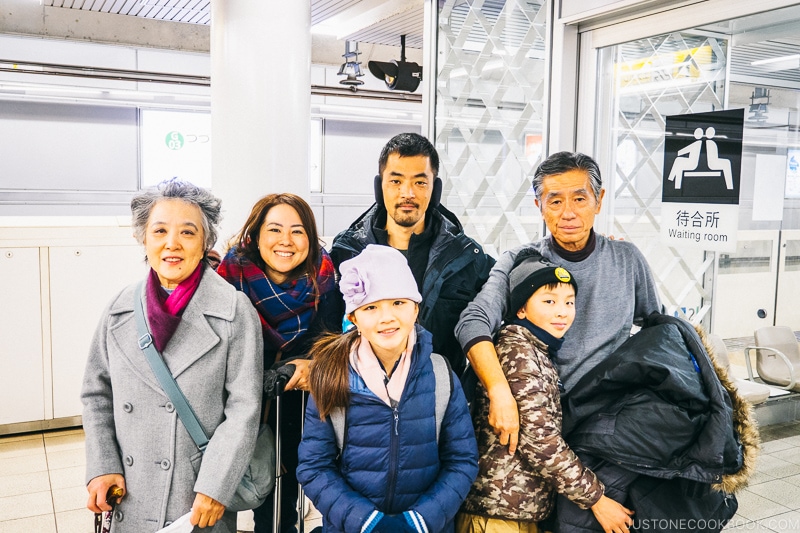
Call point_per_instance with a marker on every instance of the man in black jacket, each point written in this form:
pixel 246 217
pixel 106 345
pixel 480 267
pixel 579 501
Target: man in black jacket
pixel 449 267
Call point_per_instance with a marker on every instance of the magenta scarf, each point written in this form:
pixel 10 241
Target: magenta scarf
pixel 164 310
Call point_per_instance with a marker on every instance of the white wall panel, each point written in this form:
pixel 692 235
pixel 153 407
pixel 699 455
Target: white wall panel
pixel 22 374
pixel 83 279
pixel 745 283
pixel 787 312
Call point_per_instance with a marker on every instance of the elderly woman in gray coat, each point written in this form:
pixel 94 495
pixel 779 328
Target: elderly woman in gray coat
pixel 210 338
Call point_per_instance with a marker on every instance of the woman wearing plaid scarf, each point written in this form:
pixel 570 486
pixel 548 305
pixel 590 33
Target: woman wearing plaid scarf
pixel 277 261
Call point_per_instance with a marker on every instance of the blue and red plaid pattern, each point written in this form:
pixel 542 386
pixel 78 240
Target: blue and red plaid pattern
pixel 286 310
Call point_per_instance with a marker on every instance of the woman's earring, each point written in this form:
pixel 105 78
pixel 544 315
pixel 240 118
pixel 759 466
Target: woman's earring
pixel 358 331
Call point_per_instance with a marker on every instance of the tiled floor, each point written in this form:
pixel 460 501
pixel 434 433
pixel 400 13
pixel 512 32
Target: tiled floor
pixel 42 489
pixel 772 500
pixel 41 483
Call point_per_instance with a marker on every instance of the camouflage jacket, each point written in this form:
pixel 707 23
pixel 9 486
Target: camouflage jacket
pixel 523 486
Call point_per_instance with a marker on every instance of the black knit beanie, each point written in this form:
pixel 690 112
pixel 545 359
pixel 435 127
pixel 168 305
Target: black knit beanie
pixel 529 274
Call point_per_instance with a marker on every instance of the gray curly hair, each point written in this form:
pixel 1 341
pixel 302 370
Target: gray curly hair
pixel 210 207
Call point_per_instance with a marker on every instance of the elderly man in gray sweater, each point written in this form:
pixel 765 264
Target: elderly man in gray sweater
pixel 616 286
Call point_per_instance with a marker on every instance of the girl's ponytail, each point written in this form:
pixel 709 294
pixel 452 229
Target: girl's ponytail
pixel 329 373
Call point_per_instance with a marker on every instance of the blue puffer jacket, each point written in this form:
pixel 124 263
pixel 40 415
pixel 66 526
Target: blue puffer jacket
pixel 391 461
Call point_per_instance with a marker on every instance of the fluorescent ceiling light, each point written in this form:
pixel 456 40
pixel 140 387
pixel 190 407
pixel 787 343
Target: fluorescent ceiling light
pixel 775 60
pixel 778 63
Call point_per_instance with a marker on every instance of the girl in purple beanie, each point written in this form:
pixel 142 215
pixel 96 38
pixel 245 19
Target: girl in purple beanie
pixel 399 463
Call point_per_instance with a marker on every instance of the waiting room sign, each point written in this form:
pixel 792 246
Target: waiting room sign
pixel 701 180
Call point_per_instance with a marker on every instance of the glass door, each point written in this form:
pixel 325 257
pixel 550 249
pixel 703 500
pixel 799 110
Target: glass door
pixel 750 62
pixel 645 81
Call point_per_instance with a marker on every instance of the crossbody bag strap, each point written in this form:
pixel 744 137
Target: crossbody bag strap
pixel 168 383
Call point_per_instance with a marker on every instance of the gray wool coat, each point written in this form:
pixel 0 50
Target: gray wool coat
pixel 132 428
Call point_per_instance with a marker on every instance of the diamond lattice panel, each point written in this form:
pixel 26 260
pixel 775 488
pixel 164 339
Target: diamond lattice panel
pixel 671 74
pixel 489 115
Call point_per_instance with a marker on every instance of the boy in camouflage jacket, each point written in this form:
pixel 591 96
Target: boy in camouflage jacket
pixel 514 492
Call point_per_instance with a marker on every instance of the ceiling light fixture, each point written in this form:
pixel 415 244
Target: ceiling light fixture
pixel 351 67
pixel 398 75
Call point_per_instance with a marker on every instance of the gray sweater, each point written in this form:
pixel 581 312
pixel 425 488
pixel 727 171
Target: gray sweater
pixel 615 287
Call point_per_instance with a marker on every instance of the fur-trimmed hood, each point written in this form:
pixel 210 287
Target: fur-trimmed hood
pixel 744 423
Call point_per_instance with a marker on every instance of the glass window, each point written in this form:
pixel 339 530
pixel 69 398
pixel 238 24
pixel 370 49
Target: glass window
pixel 490 115
pixel 650 79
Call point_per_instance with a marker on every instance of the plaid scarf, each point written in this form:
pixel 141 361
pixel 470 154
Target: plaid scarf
pixel 287 309
pixel 164 310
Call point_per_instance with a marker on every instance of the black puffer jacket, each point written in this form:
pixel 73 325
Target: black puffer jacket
pixel 656 406
pixel 457 269
pixel 659 406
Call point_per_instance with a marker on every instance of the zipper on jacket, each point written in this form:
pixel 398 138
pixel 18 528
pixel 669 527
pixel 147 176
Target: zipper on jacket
pixel 393 452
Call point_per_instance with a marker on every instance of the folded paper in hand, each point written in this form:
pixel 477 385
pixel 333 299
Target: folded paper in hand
pixel 181 525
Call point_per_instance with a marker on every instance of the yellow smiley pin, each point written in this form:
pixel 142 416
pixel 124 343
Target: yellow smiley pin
pixel 562 275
